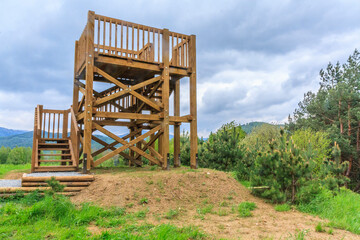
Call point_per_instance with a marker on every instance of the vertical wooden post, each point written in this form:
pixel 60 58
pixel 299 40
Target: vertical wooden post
pixel 76 87
pixel 75 140
pixel 165 97
pixel 193 123
pixel 177 125
pixel 65 123
pixel 89 86
pixel 131 152
pixel 35 137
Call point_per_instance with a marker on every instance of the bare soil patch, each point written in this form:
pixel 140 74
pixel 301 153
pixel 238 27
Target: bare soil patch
pixel 15 174
pixel 204 198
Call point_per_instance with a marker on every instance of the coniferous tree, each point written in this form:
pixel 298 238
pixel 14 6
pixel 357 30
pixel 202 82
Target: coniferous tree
pixel 335 109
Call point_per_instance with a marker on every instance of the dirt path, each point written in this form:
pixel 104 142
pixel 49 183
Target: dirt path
pixel 214 194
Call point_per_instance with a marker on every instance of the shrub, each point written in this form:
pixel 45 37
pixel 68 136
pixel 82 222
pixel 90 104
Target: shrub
pixel 222 150
pixel 4 153
pixel 245 208
pixel 19 155
pixel 283 207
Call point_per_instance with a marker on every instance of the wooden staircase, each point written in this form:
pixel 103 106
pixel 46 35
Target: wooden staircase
pixel 55 156
pixel 54 147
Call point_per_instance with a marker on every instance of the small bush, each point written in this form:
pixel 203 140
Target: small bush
pixel 319 228
pixel 55 185
pixel 144 201
pixel 283 207
pixel 245 208
pixel 205 210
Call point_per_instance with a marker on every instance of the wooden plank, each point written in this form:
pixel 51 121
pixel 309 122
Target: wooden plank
pixel 114 123
pixel 139 64
pixel 179 119
pixel 8 195
pixel 32 189
pixel 68 184
pixel 122 115
pixel 81 178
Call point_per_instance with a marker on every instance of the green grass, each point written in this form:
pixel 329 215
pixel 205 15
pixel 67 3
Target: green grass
pixel 55 217
pixel 319 228
pixel 282 207
pixel 341 209
pixel 171 214
pixel 5 168
pixel 245 208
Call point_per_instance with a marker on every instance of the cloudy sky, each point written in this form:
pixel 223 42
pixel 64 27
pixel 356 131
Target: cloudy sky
pixel 255 59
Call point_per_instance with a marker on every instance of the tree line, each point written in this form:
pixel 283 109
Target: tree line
pixel 318 149
pixel 17 155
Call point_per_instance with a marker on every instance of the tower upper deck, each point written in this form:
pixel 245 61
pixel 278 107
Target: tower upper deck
pixel 122 45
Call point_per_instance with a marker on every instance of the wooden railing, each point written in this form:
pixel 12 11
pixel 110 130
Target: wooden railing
pixel 120 38
pixel 54 124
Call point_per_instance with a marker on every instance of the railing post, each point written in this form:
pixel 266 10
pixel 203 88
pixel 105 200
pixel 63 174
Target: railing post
pixel 65 123
pixel 85 160
pixel 35 133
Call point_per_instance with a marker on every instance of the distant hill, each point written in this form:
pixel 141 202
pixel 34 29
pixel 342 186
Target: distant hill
pixel 26 140
pixel 248 127
pixel 19 140
pixel 12 138
pixel 5 132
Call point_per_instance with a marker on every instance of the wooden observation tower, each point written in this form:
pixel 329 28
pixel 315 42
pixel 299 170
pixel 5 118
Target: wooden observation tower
pixel 124 77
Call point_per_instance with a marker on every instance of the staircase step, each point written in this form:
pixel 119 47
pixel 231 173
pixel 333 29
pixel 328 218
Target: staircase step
pixel 53 149
pixel 55 154
pixel 53 144
pixel 56 160
pixel 55 169
pixel 54 139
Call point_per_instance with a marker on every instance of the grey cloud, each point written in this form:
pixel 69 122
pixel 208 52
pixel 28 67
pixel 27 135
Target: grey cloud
pixel 280 44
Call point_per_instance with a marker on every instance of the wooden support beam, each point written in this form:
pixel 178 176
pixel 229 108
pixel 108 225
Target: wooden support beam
pixel 193 124
pixel 134 64
pixel 122 115
pixel 165 97
pixel 114 123
pixel 176 126
pixel 89 87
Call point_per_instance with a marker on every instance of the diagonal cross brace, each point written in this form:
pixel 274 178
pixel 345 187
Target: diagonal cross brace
pixel 126 89
pixel 126 145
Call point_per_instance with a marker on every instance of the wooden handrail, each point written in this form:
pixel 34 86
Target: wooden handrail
pixel 73 119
